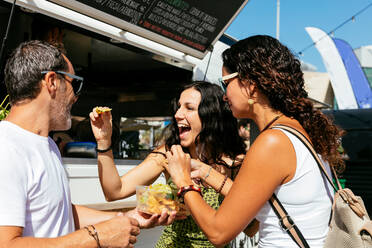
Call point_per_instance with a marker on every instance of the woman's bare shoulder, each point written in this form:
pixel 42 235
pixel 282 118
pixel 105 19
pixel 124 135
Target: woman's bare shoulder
pixel 158 156
pixel 270 139
pixel 161 149
pixel 272 150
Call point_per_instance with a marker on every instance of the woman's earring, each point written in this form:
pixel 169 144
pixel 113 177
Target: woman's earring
pixel 250 101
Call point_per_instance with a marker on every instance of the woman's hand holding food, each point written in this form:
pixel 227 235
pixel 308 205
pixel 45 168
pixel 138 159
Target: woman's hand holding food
pixel 101 122
pixel 179 166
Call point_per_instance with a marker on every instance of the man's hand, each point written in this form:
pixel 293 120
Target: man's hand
pixel 119 231
pixel 149 221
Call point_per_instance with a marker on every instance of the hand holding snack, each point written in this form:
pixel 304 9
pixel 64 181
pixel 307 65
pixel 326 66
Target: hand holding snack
pixel 101 122
pixel 101 110
pixel 154 199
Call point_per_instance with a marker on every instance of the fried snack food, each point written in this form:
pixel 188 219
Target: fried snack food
pixel 154 198
pixel 101 110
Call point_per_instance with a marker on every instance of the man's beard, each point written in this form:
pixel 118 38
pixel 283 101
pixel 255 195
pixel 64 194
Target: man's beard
pixel 62 117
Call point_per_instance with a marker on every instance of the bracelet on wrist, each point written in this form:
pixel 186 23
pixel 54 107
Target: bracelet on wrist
pixel 183 190
pixel 104 150
pixel 207 175
pixel 94 234
pixel 223 184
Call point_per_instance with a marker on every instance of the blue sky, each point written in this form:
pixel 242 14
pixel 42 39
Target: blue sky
pixel 259 17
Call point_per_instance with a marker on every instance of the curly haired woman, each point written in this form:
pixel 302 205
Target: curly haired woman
pixel 205 128
pixel 264 83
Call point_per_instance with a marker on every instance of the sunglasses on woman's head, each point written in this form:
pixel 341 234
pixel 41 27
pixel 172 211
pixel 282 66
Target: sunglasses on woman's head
pixel 76 82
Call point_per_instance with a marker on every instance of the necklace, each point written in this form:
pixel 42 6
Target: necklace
pixel 271 122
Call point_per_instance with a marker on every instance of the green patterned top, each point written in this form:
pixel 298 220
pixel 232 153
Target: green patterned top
pixel 186 233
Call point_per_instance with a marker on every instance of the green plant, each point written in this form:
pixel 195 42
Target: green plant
pixel 3 110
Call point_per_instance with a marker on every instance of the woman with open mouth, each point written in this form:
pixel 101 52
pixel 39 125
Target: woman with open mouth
pixel 205 128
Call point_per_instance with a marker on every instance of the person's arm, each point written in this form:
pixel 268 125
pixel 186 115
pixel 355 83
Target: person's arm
pixel 126 230
pixel 211 176
pixel 114 186
pixel 256 181
pixel 11 236
pixel 215 179
pixel 84 216
pixel 125 225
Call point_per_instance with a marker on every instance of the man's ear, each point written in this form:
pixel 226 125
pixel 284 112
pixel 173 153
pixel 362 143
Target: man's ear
pixel 51 83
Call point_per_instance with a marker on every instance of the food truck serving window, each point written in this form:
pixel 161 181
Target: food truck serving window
pixel 188 26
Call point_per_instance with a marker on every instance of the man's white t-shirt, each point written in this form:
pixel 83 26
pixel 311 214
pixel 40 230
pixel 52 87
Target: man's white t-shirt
pixel 34 190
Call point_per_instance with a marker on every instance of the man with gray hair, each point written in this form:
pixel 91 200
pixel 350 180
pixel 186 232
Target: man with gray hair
pixel 35 205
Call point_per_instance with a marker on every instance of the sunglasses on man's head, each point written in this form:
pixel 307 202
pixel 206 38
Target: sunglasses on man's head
pixel 76 82
pixel 224 81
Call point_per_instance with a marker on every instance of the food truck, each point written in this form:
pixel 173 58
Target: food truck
pixel 135 56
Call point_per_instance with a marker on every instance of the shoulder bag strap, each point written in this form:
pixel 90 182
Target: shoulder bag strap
pixel 285 221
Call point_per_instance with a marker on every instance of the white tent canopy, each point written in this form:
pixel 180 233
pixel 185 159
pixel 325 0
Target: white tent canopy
pixel 364 55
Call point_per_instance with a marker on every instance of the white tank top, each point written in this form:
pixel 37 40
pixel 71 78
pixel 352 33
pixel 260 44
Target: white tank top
pixel 307 199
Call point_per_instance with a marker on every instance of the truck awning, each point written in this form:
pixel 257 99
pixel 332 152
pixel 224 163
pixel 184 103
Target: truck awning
pixel 183 30
pixel 189 26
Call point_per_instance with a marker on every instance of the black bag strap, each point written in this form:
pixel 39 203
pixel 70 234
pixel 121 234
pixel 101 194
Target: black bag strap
pixel 285 221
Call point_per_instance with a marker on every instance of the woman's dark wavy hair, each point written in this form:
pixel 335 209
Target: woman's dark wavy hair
pixel 219 134
pixel 265 62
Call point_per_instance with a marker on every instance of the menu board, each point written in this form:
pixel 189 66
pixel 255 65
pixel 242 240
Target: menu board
pixel 196 24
